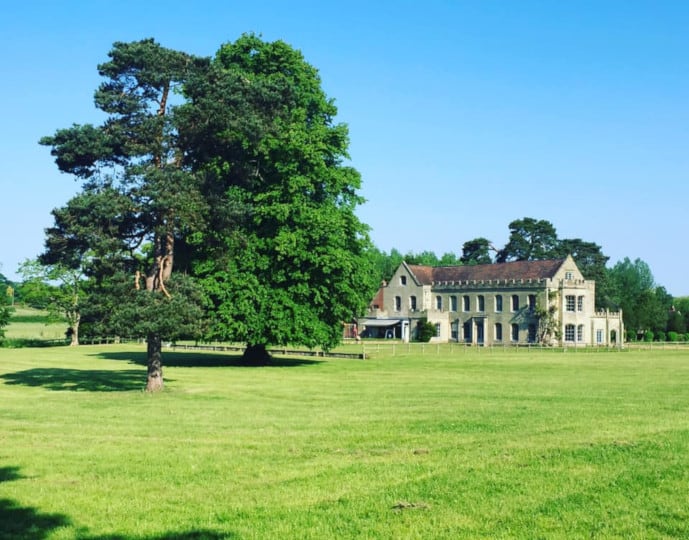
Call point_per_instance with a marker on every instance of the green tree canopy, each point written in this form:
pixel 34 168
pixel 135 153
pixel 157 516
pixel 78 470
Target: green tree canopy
pixel 645 306
pixel 230 170
pixel 291 260
pixel 530 240
pixel 476 251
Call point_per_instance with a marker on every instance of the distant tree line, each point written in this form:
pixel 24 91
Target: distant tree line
pixel 649 311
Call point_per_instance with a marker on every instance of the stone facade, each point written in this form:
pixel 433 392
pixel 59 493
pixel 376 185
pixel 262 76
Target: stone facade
pixel 510 303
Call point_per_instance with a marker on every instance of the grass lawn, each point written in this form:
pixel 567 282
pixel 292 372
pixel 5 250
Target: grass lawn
pixel 33 324
pixel 506 444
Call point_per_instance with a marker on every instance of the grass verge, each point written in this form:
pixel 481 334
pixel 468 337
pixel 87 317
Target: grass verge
pixel 513 444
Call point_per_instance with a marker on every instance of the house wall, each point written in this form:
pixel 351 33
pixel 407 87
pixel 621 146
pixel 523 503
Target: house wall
pixel 483 322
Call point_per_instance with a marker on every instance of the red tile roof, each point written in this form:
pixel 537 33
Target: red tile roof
pixel 427 275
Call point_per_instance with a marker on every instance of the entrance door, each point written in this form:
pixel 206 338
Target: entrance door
pixel 479 332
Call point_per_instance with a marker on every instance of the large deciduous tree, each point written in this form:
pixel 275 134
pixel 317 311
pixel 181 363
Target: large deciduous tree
pixel 285 260
pixel 137 190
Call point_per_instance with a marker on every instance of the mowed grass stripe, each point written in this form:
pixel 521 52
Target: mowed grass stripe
pixel 512 444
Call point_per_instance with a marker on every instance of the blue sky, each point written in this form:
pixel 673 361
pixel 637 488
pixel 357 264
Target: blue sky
pixel 463 116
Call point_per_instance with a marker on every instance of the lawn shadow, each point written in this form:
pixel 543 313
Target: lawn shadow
pixel 18 522
pixel 201 359
pixel 7 474
pixel 75 380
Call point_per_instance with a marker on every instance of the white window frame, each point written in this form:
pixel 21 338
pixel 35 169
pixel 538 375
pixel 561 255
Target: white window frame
pixel 570 333
pixel 570 303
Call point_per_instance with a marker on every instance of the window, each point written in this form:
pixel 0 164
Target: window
pixel 412 303
pixel 453 303
pixel 454 330
pixel 515 332
pixel 498 331
pixel 439 303
pixel 569 276
pixel 480 303
pixel 437 329
pixel 398 303
pixel 580 332
pixel 569 302
pixel 580 303
pixel 498 303
pixel 515 302
pixel 403 280
pixel 466 303
pixel 532 302
pixel 532 333
pixel 599 336
pixel 569 332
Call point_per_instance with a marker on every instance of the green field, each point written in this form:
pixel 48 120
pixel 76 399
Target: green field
pixel 506 444
pixel 33 324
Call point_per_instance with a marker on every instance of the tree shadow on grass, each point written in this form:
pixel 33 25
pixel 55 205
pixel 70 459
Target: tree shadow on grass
pixel 19 522
pixel 7 474
pixel 75 380
pixel 200 359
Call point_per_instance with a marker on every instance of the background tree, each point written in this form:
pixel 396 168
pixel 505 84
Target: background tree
pixel 286 260
pixel 136 188
pixel 477 251
pixel 681 314
pixel 530 240
pixel 449 259
pixel 57 288
pixel 384 263
pixel 426 258
pixel 645 306
pixel 5 306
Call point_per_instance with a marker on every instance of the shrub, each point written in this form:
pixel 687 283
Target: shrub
pixel 672 336
pixel 648 335
pixel 424 330
pixel 660 336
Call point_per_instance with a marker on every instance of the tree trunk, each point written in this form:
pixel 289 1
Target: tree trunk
pixel 256 355
pixel 161 271
pixel 154 382
pixel 75 334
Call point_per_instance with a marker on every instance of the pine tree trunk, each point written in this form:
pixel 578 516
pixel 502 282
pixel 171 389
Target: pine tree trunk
pixel 154 382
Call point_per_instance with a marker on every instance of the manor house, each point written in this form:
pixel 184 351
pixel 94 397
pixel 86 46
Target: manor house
pixel 511 303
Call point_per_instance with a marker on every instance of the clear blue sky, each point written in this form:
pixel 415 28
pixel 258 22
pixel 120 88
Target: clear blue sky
pixel 463 115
